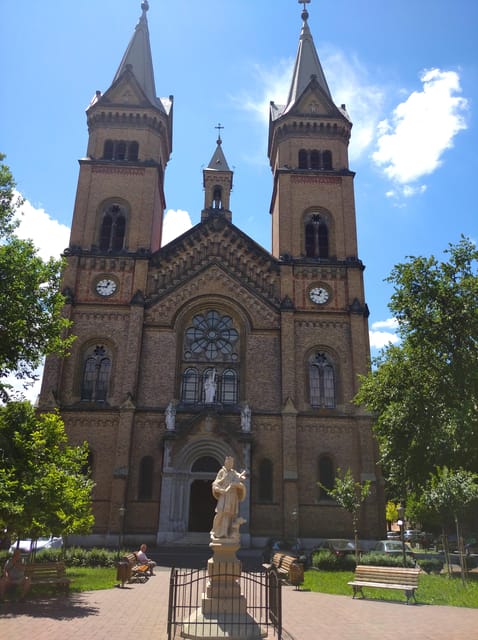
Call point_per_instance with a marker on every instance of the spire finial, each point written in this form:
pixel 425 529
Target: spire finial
pixel 219 127
pixel 305 13
pixel 145 6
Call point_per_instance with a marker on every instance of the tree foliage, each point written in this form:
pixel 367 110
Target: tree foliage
pixel 349 494
pixel 31 321
pixel 43 485
pixel 424 392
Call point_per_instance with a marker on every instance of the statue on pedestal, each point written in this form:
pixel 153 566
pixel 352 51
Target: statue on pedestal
pixel 229 490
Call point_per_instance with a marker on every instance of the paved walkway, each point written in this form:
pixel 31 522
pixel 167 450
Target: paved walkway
pixel 139 612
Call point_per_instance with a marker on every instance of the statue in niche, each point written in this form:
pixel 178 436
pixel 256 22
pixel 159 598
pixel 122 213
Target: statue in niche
pixel 246 417
pixel 229 490
pixel 210 386
pixel 170 415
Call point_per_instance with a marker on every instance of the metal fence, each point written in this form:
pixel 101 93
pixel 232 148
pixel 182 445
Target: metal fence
pixel 256 613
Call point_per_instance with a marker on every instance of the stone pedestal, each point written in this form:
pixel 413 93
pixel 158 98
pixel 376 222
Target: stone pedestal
pixel 223 612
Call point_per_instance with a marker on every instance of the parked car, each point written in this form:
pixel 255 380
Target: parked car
pixel 393 535
pixel 412 535
pixel 338 546
pixel 291 547
pixel 393 548
pixel 28 545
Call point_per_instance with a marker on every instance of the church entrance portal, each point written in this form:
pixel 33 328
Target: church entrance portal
pixel 201 501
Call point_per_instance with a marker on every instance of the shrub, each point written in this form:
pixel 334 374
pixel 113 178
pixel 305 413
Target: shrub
pixel 385 560
pixel 327 561
pixel 431 565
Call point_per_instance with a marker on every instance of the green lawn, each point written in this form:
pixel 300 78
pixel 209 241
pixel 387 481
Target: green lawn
pixel 432 589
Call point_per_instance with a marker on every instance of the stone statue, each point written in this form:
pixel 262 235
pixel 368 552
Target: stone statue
pixel 246 418
pixel 210 386
pixel 229 490
pixel 170 414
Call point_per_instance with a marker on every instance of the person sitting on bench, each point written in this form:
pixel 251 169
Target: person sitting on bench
pixel 142 558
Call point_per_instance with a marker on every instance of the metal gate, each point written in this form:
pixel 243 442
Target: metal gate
pixel 261 590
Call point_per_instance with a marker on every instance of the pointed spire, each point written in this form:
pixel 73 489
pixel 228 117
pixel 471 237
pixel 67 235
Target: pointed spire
pixel 307 64
pixel 218 161
pixel 138 56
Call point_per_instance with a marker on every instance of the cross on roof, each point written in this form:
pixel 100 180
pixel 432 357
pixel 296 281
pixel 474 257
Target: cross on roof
pixel 219 127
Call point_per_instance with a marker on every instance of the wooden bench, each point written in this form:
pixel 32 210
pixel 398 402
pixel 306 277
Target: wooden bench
pixel 138 572
pixel 47 573
pixel 288 568
pixel 405 579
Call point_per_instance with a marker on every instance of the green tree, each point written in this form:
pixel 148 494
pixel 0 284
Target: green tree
pixel 424 392
pixel 448 492
pixel 44 484
pixel 31 320
pixel 349 494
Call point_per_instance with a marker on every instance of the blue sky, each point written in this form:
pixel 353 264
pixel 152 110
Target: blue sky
pixel 407 72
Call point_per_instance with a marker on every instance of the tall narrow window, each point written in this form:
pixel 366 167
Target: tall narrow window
pixel 96 375
pixel 217 198
pixel 303 163
pixel 316 237
pixel 265 480
pixel 229 387
pixel 315 159
pixel 108 150
pixel 190 388
pixel 321 381
pixel 326 477
pixel 133 151
pixel 145 481
pixel 113 229
pixel 327 159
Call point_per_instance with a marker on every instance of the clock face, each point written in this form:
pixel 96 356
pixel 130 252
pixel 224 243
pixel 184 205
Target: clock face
pixel 319 295
pixel 106 287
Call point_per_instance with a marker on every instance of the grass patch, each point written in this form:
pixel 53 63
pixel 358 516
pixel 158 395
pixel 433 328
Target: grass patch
pixel 432 589
pixel 88 579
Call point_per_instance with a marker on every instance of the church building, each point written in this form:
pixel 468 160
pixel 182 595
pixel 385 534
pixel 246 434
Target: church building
pixel 211 345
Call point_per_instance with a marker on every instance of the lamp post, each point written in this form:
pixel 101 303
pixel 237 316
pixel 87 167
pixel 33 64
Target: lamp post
pixel 122 511
pixel 401 515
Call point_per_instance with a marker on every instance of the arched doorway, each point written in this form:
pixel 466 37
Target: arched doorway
pixel 201 501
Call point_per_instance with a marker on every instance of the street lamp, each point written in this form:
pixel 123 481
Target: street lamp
pixel 122 511
pixel 401 515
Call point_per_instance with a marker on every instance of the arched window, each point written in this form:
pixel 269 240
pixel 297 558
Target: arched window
pixel 217 198
pixel 229 387
pixel 190 390
pixel 327 160
pixel 96 375
pixel 316 237
pixel 211 342
pixel 266 480
pixel 315 159
pixel 326 477
pixel 120 150
pixel 108 150
pixel 303 161
pixel 113 228
pixel 133 151
pixel 321 381
pixel 145 481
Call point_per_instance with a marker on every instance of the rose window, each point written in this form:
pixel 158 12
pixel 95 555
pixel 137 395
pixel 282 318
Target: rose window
pixel 211 336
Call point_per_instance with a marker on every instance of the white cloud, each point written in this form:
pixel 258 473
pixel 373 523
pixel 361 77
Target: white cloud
pixel 175 223
pixel 412 141
pixel 49 236
pixel 380 338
